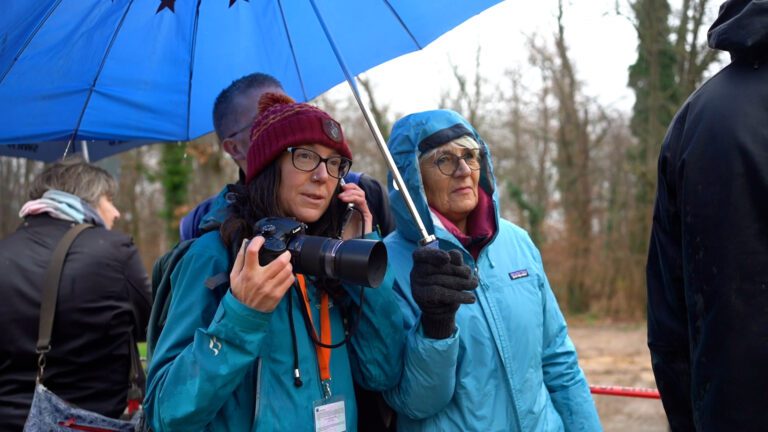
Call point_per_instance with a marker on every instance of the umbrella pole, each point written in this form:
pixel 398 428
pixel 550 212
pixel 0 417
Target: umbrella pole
pixel 83 148
pixel 84 145
pixel 426 237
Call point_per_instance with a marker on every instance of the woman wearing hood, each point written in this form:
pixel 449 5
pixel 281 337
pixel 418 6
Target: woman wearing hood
pixel 708 260
pixel 487 346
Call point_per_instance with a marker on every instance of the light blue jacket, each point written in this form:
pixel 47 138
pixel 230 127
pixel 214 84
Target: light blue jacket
pixel 510 366
pixel 222 366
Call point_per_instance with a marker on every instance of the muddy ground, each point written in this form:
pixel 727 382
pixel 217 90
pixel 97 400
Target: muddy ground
pixel 617 355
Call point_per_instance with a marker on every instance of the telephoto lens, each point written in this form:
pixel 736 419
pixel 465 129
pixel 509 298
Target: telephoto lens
pixel 357 261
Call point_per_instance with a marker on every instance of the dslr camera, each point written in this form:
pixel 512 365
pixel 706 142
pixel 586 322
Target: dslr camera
pixel 357 261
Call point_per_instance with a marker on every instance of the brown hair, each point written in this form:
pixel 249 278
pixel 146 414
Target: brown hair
pixel 77 177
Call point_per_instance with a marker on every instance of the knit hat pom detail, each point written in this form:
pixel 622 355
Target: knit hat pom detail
pixel 268 100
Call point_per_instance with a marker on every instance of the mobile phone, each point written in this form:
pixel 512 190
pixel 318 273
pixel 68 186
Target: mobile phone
pixel 347 211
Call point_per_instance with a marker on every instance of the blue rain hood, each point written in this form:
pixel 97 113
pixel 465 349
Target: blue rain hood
pixel 407 134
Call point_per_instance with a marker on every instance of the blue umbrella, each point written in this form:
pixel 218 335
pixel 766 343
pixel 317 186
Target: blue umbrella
pixel 149 70
pixel 54 150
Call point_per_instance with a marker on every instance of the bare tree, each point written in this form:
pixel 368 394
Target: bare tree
pixel 469 99
pixel 16 176
pixel 573 160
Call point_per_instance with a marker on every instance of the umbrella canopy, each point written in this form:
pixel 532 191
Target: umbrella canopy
pixel 149 70
pixel 54 150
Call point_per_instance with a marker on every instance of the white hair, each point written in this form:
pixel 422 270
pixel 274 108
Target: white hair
pixel 464 141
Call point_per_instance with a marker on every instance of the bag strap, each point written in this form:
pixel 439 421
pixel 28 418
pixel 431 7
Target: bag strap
pixel 135 392
pixel 50 294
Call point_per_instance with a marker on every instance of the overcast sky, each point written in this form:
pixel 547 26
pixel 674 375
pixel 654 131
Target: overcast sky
pixel 602 46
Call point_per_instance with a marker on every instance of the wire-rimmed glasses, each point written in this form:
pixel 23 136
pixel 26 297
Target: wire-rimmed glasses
pixel 448 163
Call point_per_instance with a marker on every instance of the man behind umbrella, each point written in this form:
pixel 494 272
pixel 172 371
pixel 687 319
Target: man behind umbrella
pixel 708 260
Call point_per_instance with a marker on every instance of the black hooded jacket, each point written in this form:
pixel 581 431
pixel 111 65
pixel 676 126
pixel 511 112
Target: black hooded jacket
pixel 707 270
pixel 104 294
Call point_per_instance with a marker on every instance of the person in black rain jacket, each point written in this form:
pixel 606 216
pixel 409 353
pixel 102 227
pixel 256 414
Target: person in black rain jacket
pixel 707 270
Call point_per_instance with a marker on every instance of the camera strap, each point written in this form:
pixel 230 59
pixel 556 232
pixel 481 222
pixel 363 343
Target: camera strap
pixel 323 353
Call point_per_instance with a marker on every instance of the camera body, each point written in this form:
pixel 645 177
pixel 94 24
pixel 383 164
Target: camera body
pixel 277 233
pixel 358 261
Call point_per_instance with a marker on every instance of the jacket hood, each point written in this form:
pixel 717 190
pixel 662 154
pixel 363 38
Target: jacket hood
pixel 403 144
pixel 741 28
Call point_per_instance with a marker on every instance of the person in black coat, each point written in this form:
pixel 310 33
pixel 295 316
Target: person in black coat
pixel 104 294
pixel 707 270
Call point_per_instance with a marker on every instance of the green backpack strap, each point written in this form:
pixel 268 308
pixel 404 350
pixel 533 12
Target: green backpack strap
pixel 162 291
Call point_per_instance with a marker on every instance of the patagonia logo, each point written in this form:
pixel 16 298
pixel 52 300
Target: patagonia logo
pixel 517 274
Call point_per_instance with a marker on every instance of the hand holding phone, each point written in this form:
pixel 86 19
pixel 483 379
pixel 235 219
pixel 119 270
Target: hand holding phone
pixel 347 212
pixel 358 220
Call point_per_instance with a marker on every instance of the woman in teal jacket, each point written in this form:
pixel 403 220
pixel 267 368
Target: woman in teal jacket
pixel 494 359
pixel 246 360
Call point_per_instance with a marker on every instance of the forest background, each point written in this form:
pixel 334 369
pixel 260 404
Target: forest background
pixel 578 174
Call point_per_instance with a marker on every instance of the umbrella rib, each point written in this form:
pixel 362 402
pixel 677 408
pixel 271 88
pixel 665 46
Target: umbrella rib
pixel 98 72
pixel 29 40
pixel 192 66
pixel 293 51
pixel 402 23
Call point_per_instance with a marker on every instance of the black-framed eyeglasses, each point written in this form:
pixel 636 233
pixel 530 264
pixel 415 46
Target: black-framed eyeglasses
pixel 239 131
pixel 308 160
pixel 448 163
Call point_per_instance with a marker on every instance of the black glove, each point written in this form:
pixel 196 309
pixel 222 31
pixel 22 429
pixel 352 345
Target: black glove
pixel 439 281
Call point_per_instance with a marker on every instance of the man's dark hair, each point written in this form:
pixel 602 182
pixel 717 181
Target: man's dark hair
pixel 225 107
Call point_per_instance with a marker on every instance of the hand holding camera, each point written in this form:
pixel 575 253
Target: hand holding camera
pixel 439 284
pixel 263 270
pixel 357 261
pixel 260 287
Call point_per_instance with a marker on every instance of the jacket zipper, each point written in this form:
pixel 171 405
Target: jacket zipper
pixel 491 326
pixel 257 399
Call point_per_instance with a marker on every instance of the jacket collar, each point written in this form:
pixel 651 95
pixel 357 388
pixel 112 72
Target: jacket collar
pixel 481 225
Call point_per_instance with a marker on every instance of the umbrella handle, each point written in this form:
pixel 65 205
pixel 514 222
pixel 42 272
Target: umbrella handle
pixel 426 237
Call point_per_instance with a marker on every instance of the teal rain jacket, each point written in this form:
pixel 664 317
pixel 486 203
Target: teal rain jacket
pixel 222 366
pixel 510 366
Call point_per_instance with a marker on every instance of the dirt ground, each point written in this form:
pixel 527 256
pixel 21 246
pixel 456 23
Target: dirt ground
pixel 617 355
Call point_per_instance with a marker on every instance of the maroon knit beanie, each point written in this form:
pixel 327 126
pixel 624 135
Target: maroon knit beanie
pixel 284 123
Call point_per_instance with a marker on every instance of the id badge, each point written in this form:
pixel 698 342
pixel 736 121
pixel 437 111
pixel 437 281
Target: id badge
pixel 330 415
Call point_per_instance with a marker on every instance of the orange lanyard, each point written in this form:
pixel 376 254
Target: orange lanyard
pixel 323 354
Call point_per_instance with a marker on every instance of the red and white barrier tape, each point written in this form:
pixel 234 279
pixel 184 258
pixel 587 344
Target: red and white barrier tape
pixel 637 392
